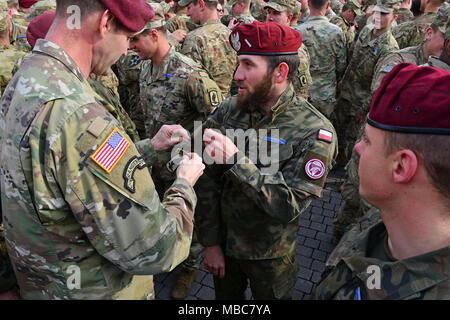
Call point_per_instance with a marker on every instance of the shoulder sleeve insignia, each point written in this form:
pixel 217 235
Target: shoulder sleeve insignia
pixel 325 135
pixel 111 151
pixel 134 61
pixel 128 174
pixel 388 68
pixel 214 97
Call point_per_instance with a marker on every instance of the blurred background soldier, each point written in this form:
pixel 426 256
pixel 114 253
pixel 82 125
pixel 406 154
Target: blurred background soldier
pixel 240 13
pixel 404 13
pixel 444 60
pixel 328 52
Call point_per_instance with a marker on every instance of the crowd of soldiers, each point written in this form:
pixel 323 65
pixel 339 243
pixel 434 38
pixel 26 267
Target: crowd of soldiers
pixel 69 93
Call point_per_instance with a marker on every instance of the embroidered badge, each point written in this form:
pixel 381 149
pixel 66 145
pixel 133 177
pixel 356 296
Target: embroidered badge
pixel 325 135
pixel 134 61
pixel 315 169
pixel 235 41
pixel 128 173
pixel 388 68
pixel 213 97
pixel 111 151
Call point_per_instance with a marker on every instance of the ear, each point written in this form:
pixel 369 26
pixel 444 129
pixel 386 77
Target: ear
pixel 405 166
pixel 328 5
pixel 202 4
pixel 106 23
pixel 281 72
pixel 428 33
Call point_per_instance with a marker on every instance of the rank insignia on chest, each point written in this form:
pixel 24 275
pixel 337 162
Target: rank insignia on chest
pixel 111 151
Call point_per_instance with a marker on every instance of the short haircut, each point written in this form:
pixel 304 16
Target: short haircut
pixel 209 4
pixel 318 4
pixel 86 7
pixel 433 152
pixel 292 60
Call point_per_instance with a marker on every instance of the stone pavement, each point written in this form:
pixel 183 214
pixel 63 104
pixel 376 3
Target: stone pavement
pixel 315 243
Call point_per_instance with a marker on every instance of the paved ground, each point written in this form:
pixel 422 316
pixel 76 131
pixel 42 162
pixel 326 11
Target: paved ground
pixel 315 243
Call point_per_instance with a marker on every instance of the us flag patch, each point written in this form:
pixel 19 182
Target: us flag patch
pixel 325 135
pixel 111 151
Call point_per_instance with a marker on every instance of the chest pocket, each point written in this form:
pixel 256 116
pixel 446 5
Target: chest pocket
pixel 128 175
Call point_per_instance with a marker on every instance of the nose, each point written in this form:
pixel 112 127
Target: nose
pixel 358 147
pixel 239 74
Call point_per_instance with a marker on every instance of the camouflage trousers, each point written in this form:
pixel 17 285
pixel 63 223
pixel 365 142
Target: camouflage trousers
pixel 271 279
pixel 354 207
pixel 7 277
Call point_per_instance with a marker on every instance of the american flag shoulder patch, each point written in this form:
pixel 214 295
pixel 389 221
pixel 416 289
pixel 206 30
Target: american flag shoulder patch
pixel 325 135
pixel 111 151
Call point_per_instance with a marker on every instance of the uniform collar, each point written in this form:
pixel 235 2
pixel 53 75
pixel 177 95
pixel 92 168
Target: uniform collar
pixel 316 18
pixel 401 278
pixel 160 72
pixel 438 63
pixel 212 21
pixel 51 49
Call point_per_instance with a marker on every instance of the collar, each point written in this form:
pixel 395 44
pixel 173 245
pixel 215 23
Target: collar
pixel 438 63
pixel 212 21
pixel 317 18
pixel 160 72
pixel 53 50
pixel 402 278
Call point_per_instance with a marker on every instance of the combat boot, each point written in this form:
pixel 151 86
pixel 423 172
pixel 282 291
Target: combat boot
pixel 184 284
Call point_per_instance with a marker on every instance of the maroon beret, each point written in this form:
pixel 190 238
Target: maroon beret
pixel 133 14
pixel 412 99
pixel 26 3
pixel 38 27
pixel 265 38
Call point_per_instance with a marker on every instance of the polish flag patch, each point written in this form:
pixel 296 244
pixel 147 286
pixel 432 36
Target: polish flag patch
pixel 111 151
pixel 325 135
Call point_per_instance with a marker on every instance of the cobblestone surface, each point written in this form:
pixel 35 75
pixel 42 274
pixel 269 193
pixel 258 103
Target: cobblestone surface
pixel 315 243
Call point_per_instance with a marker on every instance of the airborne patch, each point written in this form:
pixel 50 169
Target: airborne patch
pixel 128 173
pixel 213 97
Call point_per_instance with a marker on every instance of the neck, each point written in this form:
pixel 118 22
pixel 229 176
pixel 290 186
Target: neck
pixel 317 13
pixel 379 32
pixel 277 92
pixel 81 53
pixel 409 236
pixel 431 8
pixel 208 15
pixel 161 53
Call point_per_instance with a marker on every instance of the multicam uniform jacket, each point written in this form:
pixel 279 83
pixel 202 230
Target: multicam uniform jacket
pixel 76 193
pixel 254 214
pixel 350 268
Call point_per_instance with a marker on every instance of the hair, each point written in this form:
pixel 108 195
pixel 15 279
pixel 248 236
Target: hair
pixel 209 4
pixel 245 2
pixel 345 7
pixel 318 4
pixel 432 151
pixel 292 60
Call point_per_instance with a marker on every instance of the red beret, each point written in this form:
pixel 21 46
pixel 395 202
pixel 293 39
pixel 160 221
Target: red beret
pixel 265 38
pixel 38 27
pixel 133 14
pixel 26 3
pixel 412 99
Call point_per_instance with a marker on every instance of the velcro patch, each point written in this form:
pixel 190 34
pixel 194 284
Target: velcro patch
pixel 111 151
pixel 128 173
pixel 325 135
pixel 314 169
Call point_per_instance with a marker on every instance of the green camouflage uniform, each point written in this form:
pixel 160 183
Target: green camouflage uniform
pixel 254 216
pixel 385 65
pixel 349 32
pixel 327 49
pixel 404 15
pixel 8 56
pixel 209 46
pixel 62 210
pixel 245 18
pixel 182 22
pixel 128 71
pixel 437 63
pixel 303 16
pixel 412 33
pixel 257 10
pixel 423 277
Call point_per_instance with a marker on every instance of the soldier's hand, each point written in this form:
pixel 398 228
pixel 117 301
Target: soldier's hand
pixel 214 261
pixel 233 23
pixel 218 147
pixel 191 168
pixel 179 35
pixel 168 136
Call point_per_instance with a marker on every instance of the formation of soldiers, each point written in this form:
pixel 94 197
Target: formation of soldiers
pixel 187 61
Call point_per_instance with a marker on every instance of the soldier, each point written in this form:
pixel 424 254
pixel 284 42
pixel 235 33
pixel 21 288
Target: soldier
pixel 412 33
pixel 328 52
pixel 250 226
pixel 304 11
pixel 434 42
pixel 443 61
pixel 257 10
pixel 83 220
pixel 241 13
pixel 208 44
pixel 374 42
pixel 404 172
pixel 8 53
pixel 296 14
pixel 404 13
pixel 346 21
pixel 181 21
pixel 281 11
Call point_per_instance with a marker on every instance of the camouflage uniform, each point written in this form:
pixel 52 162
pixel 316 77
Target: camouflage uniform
pixel 182 22
pixel 257 10
pixel 349 32
pixel 437 63
pixel 209 46
pixel 412 33
pixel 62 210
pixel 385 65
pixel 327 48
pixel 423 277
pixel 404 15
pixel 8 56
pixel 254 216
pixel 244 18
pixel 304 16
pixel 128 71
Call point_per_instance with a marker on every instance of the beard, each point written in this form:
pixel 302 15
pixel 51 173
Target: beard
pixel 258 98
